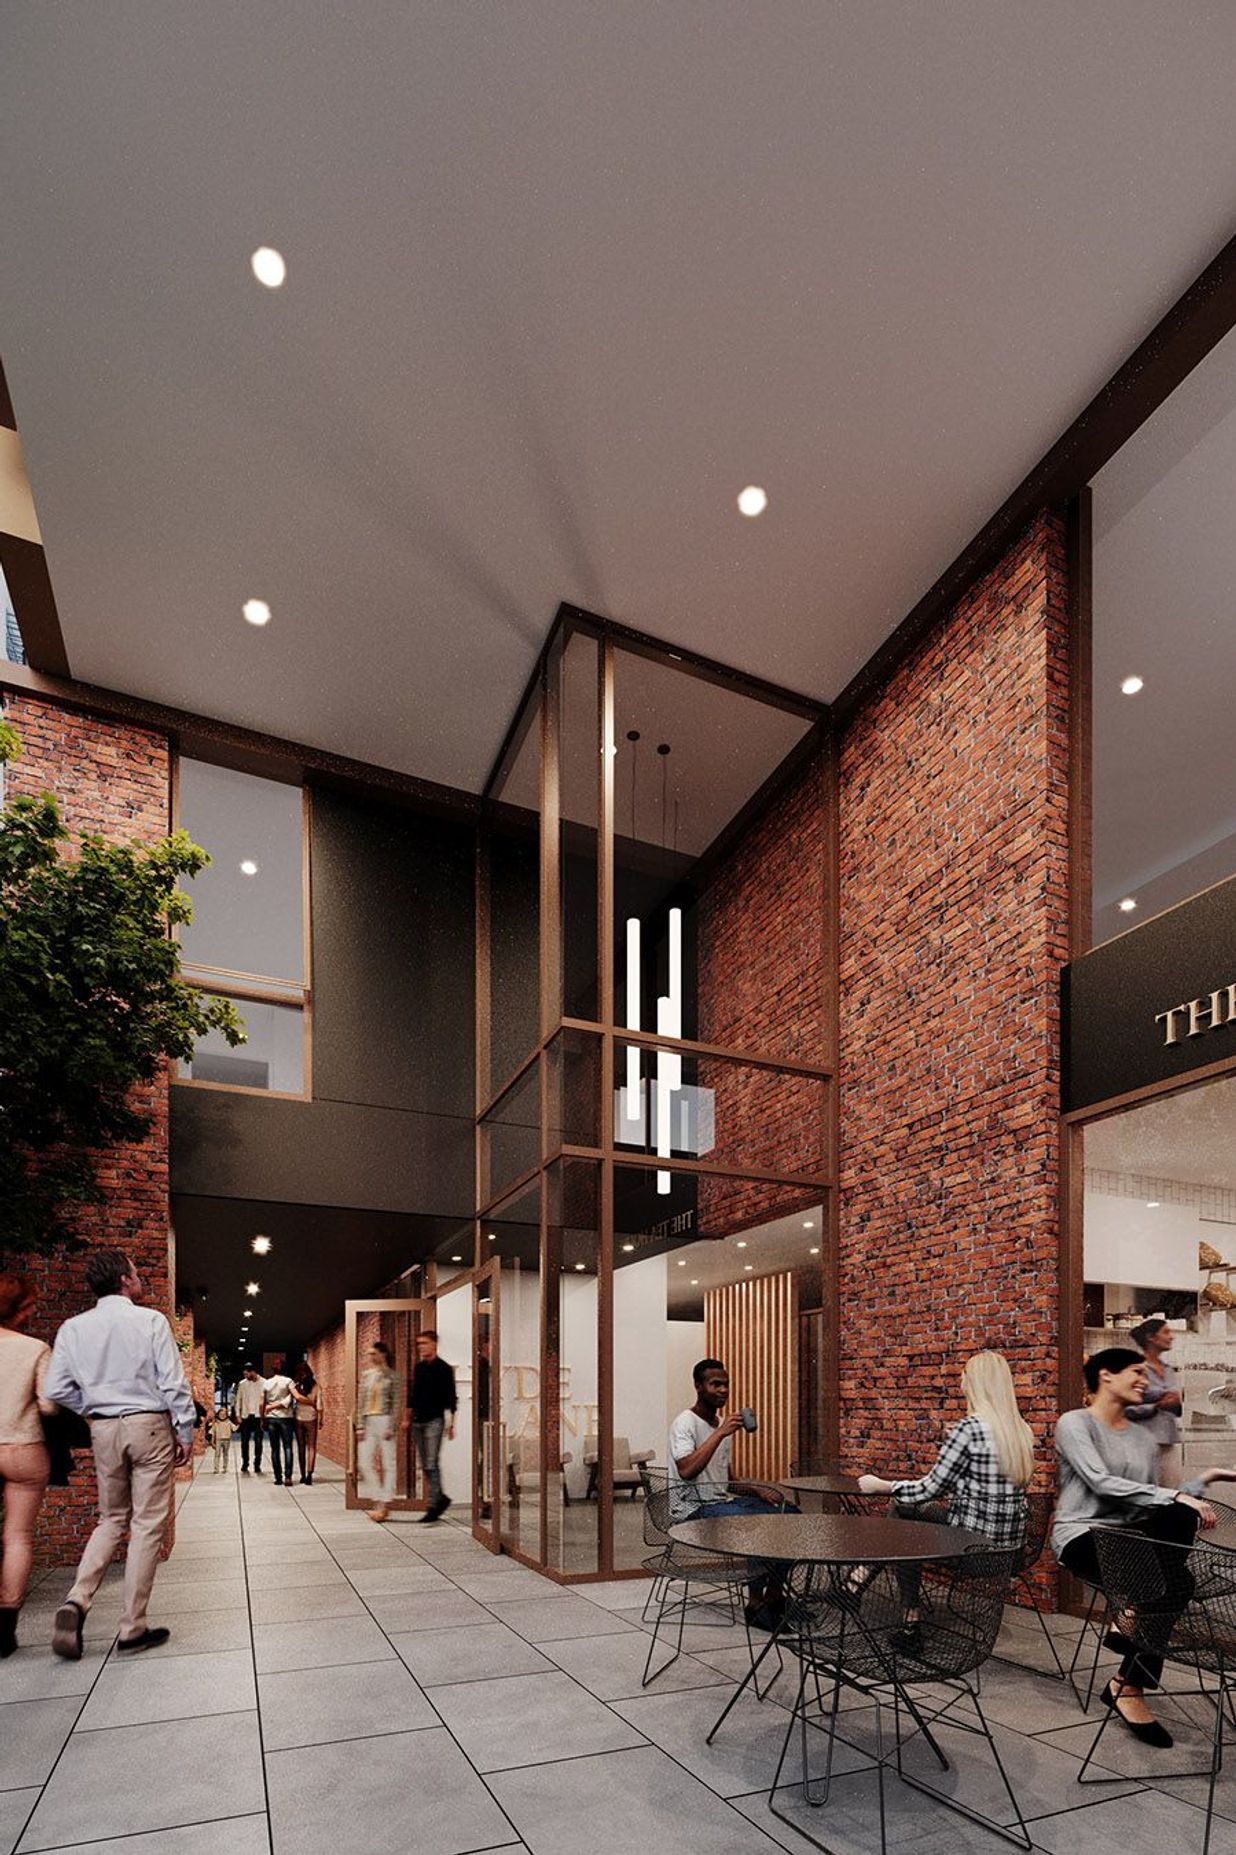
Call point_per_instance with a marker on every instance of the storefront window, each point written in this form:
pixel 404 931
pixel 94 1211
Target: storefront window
pixel 1164 590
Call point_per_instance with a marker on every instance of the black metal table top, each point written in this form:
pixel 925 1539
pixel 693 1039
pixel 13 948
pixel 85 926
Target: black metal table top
pixel 826 1539
pixel 833 1483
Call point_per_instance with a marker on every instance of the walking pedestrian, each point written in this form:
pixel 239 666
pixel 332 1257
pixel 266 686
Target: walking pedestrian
pixel 379 1393
pixel 224 1428
pixel 24 1462
pixel 434 1404
pixel 278 1414
pixel 308 1395
pixel 118 1366
pixel 248 1407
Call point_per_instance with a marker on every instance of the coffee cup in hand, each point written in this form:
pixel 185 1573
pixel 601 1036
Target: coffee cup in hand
pixel 748 1419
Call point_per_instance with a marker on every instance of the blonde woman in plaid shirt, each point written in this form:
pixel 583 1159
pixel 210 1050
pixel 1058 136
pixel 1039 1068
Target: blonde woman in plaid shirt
pixel 982 1472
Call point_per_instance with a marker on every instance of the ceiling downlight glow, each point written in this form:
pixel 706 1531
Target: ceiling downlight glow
pixel 248 867
pixel 1132 686
pixel 256 612
pixel 752 501
pixel 1128 904
pixel 260 1246
pixel 268 266
pixel 253 1288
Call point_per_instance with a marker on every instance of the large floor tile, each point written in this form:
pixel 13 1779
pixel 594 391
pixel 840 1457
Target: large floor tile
pixel 555 1619
pixel 617 1594
pixel 529 1719
pixel 289 1575
pixel 229 1835
pixel 198 1632
pixel 144 1778
pixel 849 1823
pixel 405 1794
pixel 31 1735
pixel 320 1643
pixel 388 1580
pixel 176 1596
pixel 15 1807
pixel 427 1610
pixel 163 1686
pixel 306 1602
pixel 744 1755
pixel 629 1803
pixel 35 1674
pixel 1145 1824
pixel 352 1703
pixel 612 1667
pixel 475 1653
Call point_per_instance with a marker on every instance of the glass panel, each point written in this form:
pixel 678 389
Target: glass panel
pixel 511 843
pixel 695 1107
pixel 272 1056
pixel 718 924
pixel 579 778
pixel 573 1188
pixel 1160 1240
pixel 574 1083
pixel 510 1135
pixel 248 904
pixel 14 651
pixel 674 1272
pixel 486 1330
pixel 1164 577
pixel 450 1315
pixel 513 1238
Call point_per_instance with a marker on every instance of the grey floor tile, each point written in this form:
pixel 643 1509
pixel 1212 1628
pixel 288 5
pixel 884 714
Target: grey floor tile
pixel 197 1632
pixel 618 1594
pixel 497 1583
pixel 164 1686
pixel 1190 1723
pixel 528 1719
pixel 405 1794
pixel 15 1807
pixel 427 1610
pixel 353 1703
pixel 299 1572
pixel 387 1580
pixel 177 1596
pixel 630 1803
pixel 744 1755
pixel 849 1823
pixel 143 1778
pixel 555 1619
pixel 612 1667
pixel 293 1552
pixel 1028 1702
pixel 306 1602
pixel 31 1735
pixel 230 1835
pixel 1145 1824
pixel 477 1652
pixel 320 1643
pixel 35 1674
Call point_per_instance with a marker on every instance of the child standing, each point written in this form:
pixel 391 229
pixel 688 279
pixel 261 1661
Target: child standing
pixel 224 1426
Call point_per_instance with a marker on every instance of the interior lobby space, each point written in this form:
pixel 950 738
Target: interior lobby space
pixel 617 927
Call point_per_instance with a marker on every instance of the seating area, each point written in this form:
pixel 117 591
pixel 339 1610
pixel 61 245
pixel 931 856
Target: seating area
pixel 330 1684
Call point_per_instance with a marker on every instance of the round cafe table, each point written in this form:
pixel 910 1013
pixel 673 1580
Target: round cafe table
pixel 843 1487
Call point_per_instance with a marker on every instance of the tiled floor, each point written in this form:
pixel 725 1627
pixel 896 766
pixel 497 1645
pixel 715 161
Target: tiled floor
pixel 331 1686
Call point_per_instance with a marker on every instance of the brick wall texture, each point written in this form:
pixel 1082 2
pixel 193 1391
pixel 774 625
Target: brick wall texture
pixel 954 905
pixel 113 779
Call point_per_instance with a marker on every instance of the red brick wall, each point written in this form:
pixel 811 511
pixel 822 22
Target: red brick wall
pixel 763 987
pixel 113 779
pixel 954 900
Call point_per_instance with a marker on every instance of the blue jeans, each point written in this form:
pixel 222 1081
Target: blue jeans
pixel 428 1446
pixel 279 1430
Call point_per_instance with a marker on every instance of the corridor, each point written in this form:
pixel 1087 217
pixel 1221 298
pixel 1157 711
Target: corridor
pixel 332 1686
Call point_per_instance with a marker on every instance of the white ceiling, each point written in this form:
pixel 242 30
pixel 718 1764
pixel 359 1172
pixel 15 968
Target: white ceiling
pixel 1189 1136
pixel 562 279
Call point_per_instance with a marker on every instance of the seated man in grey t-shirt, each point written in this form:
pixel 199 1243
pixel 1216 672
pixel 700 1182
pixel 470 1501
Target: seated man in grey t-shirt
pixel 700 1446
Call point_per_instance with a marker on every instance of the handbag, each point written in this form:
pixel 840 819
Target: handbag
pixel 63 1432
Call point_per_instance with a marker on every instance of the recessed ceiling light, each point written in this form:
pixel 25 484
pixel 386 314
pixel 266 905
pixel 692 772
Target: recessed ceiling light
pixel 579 1265
pixel 1131 686
pixel 741 1244
pixel 260 1246
pixel 248 1314
pixel 256 612
pixel 752 500
pixel 628 1247
pixel 252 1288
pixel 268 266
pixel 695 1281
pixel 248 867
pixel 813 1252
pixel 456 1258
pixel 808 1224
pixel 681 1264
pixel 1152 1204
pixel 493 1236
pixel 748 1266
pixel 1128 904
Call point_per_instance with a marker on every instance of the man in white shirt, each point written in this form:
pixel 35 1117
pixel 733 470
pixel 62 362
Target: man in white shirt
pixel 118 1366
pixel 249 1417
pixel 279 1415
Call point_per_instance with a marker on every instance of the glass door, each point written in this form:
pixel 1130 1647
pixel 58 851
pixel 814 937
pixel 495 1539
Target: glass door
pixel 487 1454
pixel 380 1338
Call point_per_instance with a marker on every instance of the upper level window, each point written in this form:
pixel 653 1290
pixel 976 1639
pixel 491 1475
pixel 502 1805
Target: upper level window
pixel 247 939
pixel 13 649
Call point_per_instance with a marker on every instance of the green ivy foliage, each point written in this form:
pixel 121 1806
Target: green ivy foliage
pixel 91 1001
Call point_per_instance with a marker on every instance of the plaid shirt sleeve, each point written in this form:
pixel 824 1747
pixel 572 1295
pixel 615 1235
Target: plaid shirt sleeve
pixel 948 1468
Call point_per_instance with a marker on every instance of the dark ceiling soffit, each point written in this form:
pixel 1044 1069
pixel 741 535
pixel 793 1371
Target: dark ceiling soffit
pixel 223 744
pixel 29 584
pixel 1185 335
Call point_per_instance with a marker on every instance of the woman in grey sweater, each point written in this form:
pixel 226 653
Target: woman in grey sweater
pixel 1109 1478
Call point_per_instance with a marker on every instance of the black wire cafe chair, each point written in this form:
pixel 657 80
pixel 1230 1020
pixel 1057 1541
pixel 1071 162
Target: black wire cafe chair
pixel 712 1588
pixel 844 1631
pixel 1176 1603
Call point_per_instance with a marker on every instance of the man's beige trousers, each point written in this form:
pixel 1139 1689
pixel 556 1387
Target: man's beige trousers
pixel 135 1459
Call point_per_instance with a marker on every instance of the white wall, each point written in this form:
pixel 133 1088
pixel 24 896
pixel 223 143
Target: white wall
pixel 640 1354
pixel 1126 1242
pixel 453 1314
pixel 684 1349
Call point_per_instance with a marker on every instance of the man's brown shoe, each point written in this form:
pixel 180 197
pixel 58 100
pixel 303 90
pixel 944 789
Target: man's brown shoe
pixel 149 1639
pixel 67 1631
